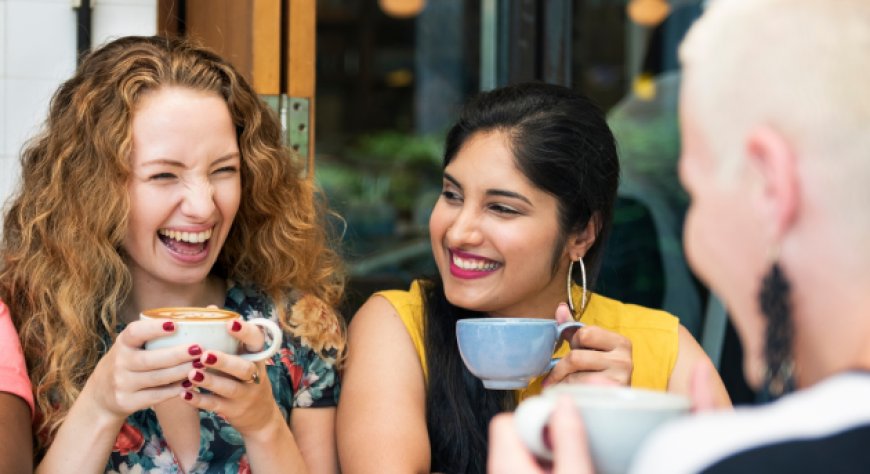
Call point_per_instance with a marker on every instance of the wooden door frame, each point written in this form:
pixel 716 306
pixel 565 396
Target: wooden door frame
pixel 272 43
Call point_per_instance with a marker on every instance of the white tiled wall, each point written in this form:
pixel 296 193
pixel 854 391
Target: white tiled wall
pixel 38 51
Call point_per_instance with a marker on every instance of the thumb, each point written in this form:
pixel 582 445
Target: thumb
pixel 700 387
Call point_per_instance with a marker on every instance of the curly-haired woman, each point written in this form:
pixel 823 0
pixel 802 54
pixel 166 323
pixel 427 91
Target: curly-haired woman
pixel 161 179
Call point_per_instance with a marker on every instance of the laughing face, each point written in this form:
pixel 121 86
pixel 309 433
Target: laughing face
pixel 185 186
pixel 493 234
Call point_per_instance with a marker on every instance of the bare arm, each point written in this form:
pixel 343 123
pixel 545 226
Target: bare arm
pixel 314 429
pixel 16 438
pixel 689 358
pixel 381 424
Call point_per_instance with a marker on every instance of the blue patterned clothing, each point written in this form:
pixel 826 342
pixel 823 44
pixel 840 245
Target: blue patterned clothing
pixel 300 377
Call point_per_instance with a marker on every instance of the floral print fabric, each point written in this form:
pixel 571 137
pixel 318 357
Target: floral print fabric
pixel 300 377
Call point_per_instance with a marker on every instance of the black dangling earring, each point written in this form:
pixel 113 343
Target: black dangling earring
pixel 776 308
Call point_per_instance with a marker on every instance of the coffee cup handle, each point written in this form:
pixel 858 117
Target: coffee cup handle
pixel 530 418
pixel 276 336
pixel 571 327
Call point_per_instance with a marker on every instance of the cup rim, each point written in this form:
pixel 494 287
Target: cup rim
pixel 510 320
pixel 156 313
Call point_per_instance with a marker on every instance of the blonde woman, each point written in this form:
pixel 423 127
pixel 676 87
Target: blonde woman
pixel 161 179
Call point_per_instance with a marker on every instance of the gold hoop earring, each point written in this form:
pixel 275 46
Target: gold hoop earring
pixel 568 285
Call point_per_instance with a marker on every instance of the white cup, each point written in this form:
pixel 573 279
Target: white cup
pixel 617 420
pixel 207 327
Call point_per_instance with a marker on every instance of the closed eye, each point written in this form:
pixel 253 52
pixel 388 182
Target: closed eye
pixel 226 170
pixel 161 176
pixel 451 196
pixel 502 209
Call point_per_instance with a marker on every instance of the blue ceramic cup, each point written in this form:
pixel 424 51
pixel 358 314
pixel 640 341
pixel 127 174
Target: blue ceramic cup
pixel 507 353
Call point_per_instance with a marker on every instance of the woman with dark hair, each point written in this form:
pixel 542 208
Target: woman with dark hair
pixel 530 177
pixel 161 179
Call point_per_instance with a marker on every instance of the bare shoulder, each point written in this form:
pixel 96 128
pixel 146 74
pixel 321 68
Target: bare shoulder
pixel 690 358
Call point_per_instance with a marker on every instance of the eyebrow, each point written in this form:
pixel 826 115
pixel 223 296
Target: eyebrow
pixel 178 164
pixel 492 192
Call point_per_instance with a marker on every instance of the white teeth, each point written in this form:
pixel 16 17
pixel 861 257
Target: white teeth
pixel 474 265
pixel 190 237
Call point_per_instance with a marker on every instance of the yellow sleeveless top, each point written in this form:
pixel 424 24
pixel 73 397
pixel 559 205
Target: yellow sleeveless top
pixel 653 334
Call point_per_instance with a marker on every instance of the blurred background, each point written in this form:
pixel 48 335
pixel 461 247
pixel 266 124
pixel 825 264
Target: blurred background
pixel 366 90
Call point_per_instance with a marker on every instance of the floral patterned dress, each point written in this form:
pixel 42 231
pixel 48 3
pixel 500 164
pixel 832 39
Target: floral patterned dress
pixel 300 375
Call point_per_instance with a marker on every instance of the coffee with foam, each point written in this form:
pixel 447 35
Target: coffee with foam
pixel 191 314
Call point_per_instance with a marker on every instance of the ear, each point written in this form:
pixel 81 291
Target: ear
pixel 579 241
pixel 771 156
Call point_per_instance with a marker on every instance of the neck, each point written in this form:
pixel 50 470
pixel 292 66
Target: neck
pixel 832 336
pixel 149 294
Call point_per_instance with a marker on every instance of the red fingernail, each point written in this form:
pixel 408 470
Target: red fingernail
pixel 197 364
pixel 169 326
pixel 210 359
pixel 188 396
pixel 237 326
pixel 197 377
pixel 194 350
pixel 187 384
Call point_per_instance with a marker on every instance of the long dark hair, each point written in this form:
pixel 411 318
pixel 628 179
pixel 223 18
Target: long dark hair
pixel 562 144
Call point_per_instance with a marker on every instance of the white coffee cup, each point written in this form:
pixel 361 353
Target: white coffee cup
pixel 207 327
pixel 617 420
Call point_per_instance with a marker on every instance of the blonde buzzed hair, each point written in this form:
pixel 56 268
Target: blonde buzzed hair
pixel 801 67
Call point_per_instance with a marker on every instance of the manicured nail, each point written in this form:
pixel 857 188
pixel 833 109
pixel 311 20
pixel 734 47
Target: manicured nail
pixel 187 384
pixel 210 359
pixel 169 326
pixel 198 376
pixel 237 326
pixel 188 396
pixel 197 364
pixel 194 350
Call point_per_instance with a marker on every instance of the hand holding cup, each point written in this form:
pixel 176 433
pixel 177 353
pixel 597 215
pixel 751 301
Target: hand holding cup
pixel 210 328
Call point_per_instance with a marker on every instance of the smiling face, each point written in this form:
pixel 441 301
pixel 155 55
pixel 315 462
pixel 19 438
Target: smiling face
pixel 185 186
pixel 494 233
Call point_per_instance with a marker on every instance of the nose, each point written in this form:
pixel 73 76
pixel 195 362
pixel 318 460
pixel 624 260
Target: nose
pixel 464 230
pixel 198 201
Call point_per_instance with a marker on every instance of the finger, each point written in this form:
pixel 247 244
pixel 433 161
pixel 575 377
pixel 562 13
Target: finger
pixel 153 359
pixel 599 339
pixel 563 313
pixel 578 360
pixel 142 399
pixel 701 389
pixel 223 385
pixel 137 381
pixel 230 365
pixel 570 446
pixel 137 333
pixel 209 401
pixel 507 453
pixel 604 377
pixel 249 334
